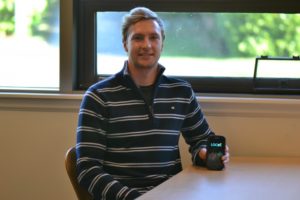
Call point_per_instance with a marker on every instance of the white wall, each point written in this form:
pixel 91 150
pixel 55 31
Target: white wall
pixel 36 131
pixel 255 126
pixel 34 136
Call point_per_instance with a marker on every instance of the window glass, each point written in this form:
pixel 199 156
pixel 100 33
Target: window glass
pixel 278 69
pixel 207 44
pixel 29 44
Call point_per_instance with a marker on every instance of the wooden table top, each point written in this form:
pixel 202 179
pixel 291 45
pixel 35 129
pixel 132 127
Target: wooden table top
pixel 244 178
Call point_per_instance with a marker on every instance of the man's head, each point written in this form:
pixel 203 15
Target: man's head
pixel 139 14
pixel 143 36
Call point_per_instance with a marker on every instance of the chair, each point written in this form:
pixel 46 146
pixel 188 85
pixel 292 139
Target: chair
pixel 70 163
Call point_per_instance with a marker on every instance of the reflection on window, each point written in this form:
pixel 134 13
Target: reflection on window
pixel 29 44
pixel 207 44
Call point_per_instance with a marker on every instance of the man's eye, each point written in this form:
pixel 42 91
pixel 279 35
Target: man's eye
pixel 137 38
pixel 154 37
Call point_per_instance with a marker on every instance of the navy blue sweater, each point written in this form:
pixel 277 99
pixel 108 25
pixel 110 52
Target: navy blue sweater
pixel 126 147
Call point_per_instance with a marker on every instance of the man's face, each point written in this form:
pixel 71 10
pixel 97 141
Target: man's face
pixel 144 44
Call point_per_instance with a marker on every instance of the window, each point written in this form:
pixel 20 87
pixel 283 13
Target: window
pixel 29 45
pixel 277 75
pixel 213 45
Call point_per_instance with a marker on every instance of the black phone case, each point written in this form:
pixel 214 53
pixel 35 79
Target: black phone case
pixel 214 154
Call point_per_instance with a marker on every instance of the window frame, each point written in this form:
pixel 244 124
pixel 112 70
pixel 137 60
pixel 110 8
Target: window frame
pixel 84 13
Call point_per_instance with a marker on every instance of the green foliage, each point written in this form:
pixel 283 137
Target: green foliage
pixel 7 10
pixel 263 34
pixel 42 21
pixel 232 34
pixel 194 34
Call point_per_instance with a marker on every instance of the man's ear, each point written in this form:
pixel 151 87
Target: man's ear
pixel 125 46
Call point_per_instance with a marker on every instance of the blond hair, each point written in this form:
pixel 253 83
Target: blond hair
pixel 139 14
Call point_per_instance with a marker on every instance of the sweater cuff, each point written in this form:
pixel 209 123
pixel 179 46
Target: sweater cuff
pixel 133 194
pixel 197 160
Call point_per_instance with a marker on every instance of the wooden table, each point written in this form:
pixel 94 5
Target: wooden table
pixel 245 178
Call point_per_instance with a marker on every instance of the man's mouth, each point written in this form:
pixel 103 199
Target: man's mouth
pixel 145 54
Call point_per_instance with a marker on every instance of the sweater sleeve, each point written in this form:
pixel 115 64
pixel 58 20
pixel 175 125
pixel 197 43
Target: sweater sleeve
pixel 90 150
pixel 195 130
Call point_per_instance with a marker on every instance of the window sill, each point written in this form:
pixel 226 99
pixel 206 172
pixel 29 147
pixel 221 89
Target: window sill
pixel 40 102
pixel 212 105
pixel 250 106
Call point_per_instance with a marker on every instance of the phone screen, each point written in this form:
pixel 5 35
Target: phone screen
pixel 215 151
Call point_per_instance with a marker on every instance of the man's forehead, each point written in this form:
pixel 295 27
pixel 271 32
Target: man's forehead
pixel 145 26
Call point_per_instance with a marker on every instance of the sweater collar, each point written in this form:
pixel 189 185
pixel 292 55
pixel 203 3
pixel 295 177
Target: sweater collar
pixel 126 76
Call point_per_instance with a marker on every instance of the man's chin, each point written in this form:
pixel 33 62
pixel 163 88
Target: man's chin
pixel 147 65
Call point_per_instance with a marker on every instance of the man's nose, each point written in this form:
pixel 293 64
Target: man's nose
pixel 146 43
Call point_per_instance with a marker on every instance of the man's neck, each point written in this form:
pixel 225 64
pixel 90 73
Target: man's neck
pixel 143 77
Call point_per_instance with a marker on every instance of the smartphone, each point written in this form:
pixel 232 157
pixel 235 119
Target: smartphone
pixel 215 151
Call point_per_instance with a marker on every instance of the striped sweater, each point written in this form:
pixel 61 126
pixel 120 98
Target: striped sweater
pixel 126 147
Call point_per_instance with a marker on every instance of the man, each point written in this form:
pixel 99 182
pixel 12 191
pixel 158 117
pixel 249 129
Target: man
pixel 129 124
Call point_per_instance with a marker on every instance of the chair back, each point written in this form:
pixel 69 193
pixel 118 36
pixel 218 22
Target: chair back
pixel 70 163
